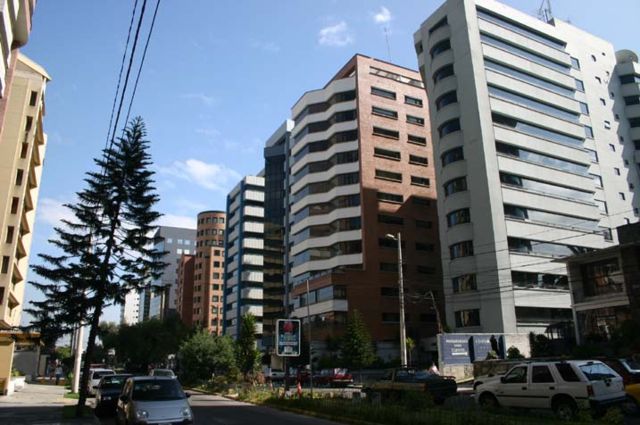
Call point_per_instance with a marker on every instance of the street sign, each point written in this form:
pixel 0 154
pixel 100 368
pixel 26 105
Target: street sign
pixel 288 337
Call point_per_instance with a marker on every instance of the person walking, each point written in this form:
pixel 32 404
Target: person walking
pixel 59 373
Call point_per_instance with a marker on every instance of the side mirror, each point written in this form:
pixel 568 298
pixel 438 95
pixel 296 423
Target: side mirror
pixel 124 398
pixel 503 380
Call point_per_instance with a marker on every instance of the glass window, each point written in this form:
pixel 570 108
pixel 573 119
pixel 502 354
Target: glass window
pixel 388 175
pixel 441 23
pixel 452 155
pixel 517 375
pixel 390 197
pixel 521 29
pixel 584 108
pixel 458 217
pixel 420 181
pixel 461 249
pixel 466 318
pixel 390 219
pixel 579 85
pixel 440 47
pixel 541 375
pixel 415 120
pixel 446 99
pixel 413 101
pixel 534 57
pixel 456 185
pixel 575 63
pixel 323 106
pixel 442 73
pixel 542 159
pixel 169 240
pixel 531 79
pixel 534 104
pixel 418 160
pixel 448 127
pixel 597 179
pixel 388 113
pixel 537 131
pixel 464 283
pixel 597 371
pixel 383 93
pixel 629 79
pixel 417 140
pixel 384 132
pixel 386 153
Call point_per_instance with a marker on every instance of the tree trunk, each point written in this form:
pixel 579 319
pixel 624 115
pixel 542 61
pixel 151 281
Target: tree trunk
pixel 88 356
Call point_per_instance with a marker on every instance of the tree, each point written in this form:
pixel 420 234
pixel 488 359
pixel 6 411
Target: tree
pixel 357 348
pixel 203 355
pixel 513 353
pixel 106 250
pixel 411 344
pixel 248 357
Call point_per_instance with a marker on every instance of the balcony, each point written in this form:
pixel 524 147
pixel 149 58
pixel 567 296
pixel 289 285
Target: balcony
pixel 255 310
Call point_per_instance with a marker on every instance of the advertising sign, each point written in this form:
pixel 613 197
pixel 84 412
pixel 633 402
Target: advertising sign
pixel 288 337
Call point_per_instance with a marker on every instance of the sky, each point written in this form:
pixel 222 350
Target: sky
pixel 219 78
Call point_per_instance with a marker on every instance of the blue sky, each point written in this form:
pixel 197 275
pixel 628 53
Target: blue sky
pixel 219 78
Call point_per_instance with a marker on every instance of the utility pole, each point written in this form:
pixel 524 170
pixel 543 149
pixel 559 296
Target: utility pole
pixel 403 329
pixel 309 333
pixel 435 307
pixel 77 361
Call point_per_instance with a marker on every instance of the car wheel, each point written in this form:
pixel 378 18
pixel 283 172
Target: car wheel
pixel 489 401
pixel 565 409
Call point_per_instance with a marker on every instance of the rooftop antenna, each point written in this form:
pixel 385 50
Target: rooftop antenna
pixel 386 36
pixel 544 12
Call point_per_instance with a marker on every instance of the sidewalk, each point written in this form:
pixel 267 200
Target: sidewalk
pixel 38 404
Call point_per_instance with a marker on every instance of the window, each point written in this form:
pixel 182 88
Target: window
pixel 424 246
pixel 448 127
pixel 417 140
pixel 461 249
pixel 441 23
pixel 388 267
pixel 169 240
pixel 33 99
pixel 419 200
pixel 452 155
pixel 464 283
pixel 584 108
pixel 390 317
pixel 622 196
pixel 390 219
pixel 385 153
pixel 28 124
pixel 612 148
pixel 387 113
pixel 458 217
pixel 10 231
pixel 423 224
pixel 456 185
pixel 531 79
pixel 542 159
pixel 388 175
pixel 597 372
pixel 383 93
pixel 579 85
pixel 420 181
pixel 24 150
pixel 534 57
pixel 630 78
pixel 181 242
pixel 575 63
pixel 632 100
pixel 593 155
pixel 5 265
pixel 389 292
pixel 384 132
pixel 634 122
pixel 446 99
pixel 616 171
pixel 607 124
pixel 440 47
pixel 14 205
pixel 413 101
pixel 418 160
pixel 19 176
pixel 602 206
pixel 588 132
pixel 390 197
pixel 520 29
pixel 517 375
pixel 466 318
pixel 603 102
pixel 541 375
pixel 415 120
pixel 442 73
pixel 425 269
pixel 597 180
pixel 599 80
pixel 533 103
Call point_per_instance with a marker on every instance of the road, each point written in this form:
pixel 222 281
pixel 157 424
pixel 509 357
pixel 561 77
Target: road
pixel 216 410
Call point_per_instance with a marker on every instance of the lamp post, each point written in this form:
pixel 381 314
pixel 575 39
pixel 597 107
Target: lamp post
pixel 403 329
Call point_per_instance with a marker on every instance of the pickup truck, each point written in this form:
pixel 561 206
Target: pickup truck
pixel 398 381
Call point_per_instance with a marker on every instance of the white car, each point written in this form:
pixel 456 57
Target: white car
pixel 564 386
pixel 162 372
pixel 153 400
pixel 94 378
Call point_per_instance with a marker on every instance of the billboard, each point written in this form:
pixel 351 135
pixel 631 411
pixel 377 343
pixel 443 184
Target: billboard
pixel 467 348
pixel 288 337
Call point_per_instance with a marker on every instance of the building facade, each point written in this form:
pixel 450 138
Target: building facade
pixel 605 286
pixel 22 148
pixel 209 272
pixel 244 256
pixel 130 310
pixel 531 159
pixel 361 168
pixel 174 241
pixel 184 290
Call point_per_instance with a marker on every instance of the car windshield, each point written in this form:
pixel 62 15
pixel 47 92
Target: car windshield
pixel 156 390
pixel 114 382
pixel 162 372
pixel 101 373
pixel 597 371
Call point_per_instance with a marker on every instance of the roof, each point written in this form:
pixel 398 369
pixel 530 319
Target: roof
pixel 34 65
pixel 152 378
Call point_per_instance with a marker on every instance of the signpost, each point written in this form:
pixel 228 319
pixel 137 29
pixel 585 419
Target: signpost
pixel 288 337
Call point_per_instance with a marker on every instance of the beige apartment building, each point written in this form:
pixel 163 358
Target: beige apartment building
pixel 22 147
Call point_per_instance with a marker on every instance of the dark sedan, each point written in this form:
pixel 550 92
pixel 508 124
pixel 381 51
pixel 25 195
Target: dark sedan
pixel 107 393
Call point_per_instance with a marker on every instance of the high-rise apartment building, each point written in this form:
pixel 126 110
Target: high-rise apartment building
pixel 244 259
pixel 174 241
pixel 534 157
pixel 130 310
pixel 208 271
pixel 361 168
pixel 184 289
pixel 22 149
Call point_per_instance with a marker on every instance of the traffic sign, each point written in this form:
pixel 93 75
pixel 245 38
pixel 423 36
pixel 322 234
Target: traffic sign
pixel 288 337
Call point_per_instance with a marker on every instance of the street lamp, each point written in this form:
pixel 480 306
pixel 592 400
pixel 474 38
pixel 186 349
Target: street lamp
pixel 403 329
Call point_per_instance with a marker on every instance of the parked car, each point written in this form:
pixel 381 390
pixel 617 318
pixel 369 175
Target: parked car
pixel 399 381
pixel 629 370
pixel 107 393
pixel 335 377
pixel 94 378
pixel 153 400
pixel 564 386
pixel 162 372
pixel 275 375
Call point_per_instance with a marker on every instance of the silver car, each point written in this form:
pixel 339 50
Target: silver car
pixel 153 400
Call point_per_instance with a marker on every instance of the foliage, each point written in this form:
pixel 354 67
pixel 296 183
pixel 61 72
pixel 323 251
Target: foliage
pixel 491 355
pixel 106 249
pixel 202 355
pixel 513 353
pixel 247 356
pixel 15 372
pixel 613 416
pixel 411 345
pixel 357 348
pixel 540 345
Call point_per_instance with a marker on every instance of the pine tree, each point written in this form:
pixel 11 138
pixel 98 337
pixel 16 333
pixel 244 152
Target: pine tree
pixel 357 348
pixel 106 250
pixel 247 355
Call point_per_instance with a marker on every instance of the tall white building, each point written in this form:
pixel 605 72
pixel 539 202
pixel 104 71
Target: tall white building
pixel 534 157
pixel 130 310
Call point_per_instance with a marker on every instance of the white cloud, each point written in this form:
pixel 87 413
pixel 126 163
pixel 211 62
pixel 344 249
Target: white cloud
pixel 174 220
pixel 201 97
pixel 266 46
pixel 383 16
pixel 337 35
pixel 216 177
pixel 52 211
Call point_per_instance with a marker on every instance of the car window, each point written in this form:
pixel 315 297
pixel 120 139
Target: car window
pixel 156 390
pixel 541 374
pixel 597 371
pixel 518 375
pixel 632 365
pixel 113 382
pixel 567 373
pixel 100 374
pixel 405 376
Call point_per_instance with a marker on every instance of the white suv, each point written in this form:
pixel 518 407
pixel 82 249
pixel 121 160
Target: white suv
pixel 564 386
